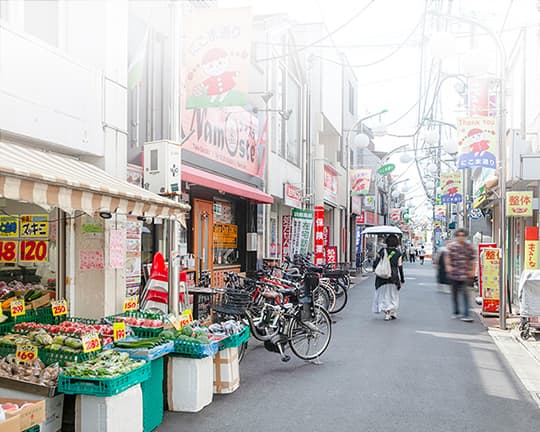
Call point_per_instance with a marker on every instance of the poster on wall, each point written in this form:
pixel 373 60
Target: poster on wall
pixel 477 142
pixel 302 221
pixel 34 225
pixel 330 184
pixel 451 190
pixel 92 227
pixel 133 256
pixel 116 248
pixel 91 260
pixel 286 231
pixel 216 59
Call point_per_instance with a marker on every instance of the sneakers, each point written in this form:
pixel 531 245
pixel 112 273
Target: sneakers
pixel 467 319
pixel 387 316
pixel 456 316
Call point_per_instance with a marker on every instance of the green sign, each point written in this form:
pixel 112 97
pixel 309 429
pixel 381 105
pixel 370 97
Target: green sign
pixel 386 169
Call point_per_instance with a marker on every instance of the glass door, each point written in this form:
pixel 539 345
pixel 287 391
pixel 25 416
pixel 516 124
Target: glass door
pixel 203 229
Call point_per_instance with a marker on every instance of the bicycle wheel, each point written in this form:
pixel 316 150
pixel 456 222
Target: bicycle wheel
pixel 309 340
pixel 242 351
pixel 341 297
pixel 367 266
pixel 325 285
pixel 321 297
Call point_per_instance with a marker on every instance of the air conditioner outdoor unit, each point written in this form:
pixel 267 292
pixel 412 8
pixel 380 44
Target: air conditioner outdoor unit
pixel 161 164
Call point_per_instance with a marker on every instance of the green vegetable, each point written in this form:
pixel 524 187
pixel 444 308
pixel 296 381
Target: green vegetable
pixel 187 330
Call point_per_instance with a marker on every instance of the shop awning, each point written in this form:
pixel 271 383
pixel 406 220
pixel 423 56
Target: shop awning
pixel 213 181
pixel 52 180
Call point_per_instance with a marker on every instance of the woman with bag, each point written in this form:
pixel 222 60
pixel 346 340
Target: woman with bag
pixel 389 277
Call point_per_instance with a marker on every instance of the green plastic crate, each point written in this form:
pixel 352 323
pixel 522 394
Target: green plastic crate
pixel 183 348
pixel 152 395
pixel 235 340
pixel 63 358
pixel 6 327
pixel 141 332
pixel 36 428
pixel 6 349
pixel 103 386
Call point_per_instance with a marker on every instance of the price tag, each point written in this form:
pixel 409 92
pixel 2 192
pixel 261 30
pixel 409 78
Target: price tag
pixel 131 303
pixel 59 307
pixel 17 308
pixel 186 318
pixel 25 353
pixel 119 330
pixel 91 342
pixel 174 321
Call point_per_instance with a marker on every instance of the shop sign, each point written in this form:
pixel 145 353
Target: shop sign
pixel 360 181
pixel 59 307
pixel 386 169
pixel 369 202
pixel 91 227
pixel 395 215
pixel 440 211
pixel 292 195
pixel 489 263
pixel 9 251
pixel 330 184
pixel 361 219
pixel 119 330
pixel 519 203
pixel 9 226
pixel 32 251
pixel 319 235
pixel 217 57
pixel 286 227
pixel 531 248
pixel 326 236
pixel 331 255
pixel 26 353
pixel 34 225
pixel 369 218
pixel 356 204
pixel 90 342
pixel 451 189
pixel 17 308
pixel 302 222
pixel 225 236
pixel 477 142
pixel 131 303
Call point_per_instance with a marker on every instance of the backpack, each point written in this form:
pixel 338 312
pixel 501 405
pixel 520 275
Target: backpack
pixel 384 269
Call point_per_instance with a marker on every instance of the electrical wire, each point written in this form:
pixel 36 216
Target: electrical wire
pixel 18 216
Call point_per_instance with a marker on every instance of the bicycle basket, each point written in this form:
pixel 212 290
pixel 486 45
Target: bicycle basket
pixel 232 301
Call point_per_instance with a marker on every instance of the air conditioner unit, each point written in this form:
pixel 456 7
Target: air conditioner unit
pixel 162 164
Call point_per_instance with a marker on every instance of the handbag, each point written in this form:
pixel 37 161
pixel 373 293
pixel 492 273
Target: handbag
pixel 383 269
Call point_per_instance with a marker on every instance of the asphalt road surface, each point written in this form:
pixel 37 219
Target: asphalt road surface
pixel 421 372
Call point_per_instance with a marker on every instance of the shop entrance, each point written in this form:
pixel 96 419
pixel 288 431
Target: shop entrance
pixel 203 214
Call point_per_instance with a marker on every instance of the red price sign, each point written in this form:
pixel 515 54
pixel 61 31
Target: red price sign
pixel 186 318
pixel 91 342
pixel 33 250
pixel 26 353
pixel 8 251
pixel 59 307
pixel 131 303
pixel 18 308
pixel 119 330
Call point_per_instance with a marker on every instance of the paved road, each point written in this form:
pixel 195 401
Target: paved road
pixel 422 372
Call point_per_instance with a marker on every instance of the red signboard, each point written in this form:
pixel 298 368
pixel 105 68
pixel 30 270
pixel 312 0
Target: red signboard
pixel 531 248
pixel 331 255
pixel 361 219
pixel 286 226
pixel 319 235
pixel 481 247
pixel 292 195
pixel 369 218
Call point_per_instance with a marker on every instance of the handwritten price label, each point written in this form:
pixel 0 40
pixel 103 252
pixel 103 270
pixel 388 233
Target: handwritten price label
pixel 174 321
pixel 119 330
pixel 18 308
pixel 59 307
pixel 91 342
pixel 186 318
pixel 131 303
pixel 26 353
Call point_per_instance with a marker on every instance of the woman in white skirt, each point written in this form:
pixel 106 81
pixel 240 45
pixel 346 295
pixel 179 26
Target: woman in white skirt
pixel 386 298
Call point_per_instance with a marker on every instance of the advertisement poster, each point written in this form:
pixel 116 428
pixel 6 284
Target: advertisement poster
pixel 489 264
pixel 91 260
pixel 477 142
pixel 217 57
pixel 531 248
pixel 133 256
pixel 225 236
pixel 440 211
pixel 330 184
pixel 519 204
pixel 331 255
pixel 319 235
pixel 481 247
pixel 360 181
pixel 302 221
pixel 92 227
pixel 451 189
pixel 9 226
pixel 116 249
pixel 34 225
pixel 395 215
pixel 286 228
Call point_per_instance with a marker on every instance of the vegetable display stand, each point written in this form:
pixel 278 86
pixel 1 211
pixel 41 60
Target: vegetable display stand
pixel 226 371
pixel 235 340
pixel 146 328
pixel 122 412
pixel 193 349
pixel 152 397
pixel 189 383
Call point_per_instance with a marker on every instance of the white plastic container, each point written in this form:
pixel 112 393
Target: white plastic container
pixel 122 412
pixel 190 382
pixel 226 371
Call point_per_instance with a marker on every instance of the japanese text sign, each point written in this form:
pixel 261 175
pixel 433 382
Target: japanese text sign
pixel 34 225
pixel 59 307
pixel 9 251
pixel 451 190
pixel 319 235
pixel 531 248
pixel 26 352
pixel 131 303
pixel 519 203
pixel 490 262
pixel 477 142
pixel 17 308
pixel 286 226
pixel 302 221
pixel 331 254
pixel 90 342
pixel 330 183
pixel 9 226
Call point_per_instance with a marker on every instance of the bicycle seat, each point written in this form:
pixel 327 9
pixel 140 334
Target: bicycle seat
pixel 293 276
pixel 334 273
pixel 315 269
pixel 287 292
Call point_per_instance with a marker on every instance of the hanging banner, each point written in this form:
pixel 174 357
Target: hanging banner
pixel 395 215
pixel 519 203
pixel 451 189
pixel 319 235
pixel 330 253
pixel 369 202
pixel 360 181
pixel 489 264
pixel 531 248
pixel 286 227
pixel 477 142
pixel 481 247
pixel 440 212
pixel 302 221
pixel 217 50
pixel 330 184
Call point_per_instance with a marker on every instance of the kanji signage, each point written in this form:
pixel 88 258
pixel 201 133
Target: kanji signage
pixel 451 190
pixel 477 142
pixel 302 221
pixel 481 247
pixel 386 169
pixel 489 263
pixel 9 226
pixel 531 248
pixel 519 203
pixel 34 226
pixel 331 255
pixel 286 226
pixel 292 195
pixel 319 235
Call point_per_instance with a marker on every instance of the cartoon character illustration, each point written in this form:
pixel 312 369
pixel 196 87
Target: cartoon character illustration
pixel 220 81
pixel 477 143
pixel 451 188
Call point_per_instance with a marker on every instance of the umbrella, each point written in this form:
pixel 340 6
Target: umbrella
pixel 383 229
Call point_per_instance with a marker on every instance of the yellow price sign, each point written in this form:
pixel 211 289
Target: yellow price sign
pixel 59 307
pixel 131 303
pixel 18 308
pixel 26 353
pixel 186 318
pixel 90 342
pixel 119 330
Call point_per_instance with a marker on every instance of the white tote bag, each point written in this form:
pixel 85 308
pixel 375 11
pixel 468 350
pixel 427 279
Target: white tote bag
pixel 383 269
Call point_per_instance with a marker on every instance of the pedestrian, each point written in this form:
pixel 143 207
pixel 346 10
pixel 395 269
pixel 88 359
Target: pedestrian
pixel 422 255
pixel 438 263
pixel 412 254
pixel 460 268
pixel 386 296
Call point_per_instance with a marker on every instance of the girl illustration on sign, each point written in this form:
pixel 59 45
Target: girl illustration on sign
pixel 477 142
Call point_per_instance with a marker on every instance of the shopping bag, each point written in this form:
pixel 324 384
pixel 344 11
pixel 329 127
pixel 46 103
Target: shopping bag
pixel 383 269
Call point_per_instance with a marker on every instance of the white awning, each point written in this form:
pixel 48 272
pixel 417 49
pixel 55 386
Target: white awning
pixel 52 180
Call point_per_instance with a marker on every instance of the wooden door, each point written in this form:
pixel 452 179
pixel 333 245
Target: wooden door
pixel 203 228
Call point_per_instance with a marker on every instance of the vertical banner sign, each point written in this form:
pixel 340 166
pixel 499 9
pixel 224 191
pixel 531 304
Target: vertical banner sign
pixel 286 227
pixel 360 181
pixel 331 255
pixel 481 247
pixel 319 235
pixel 477 142
pixel 519 203
pixel 440 211
pixel 116 248
pixel 395 215
pixel 302 221
pixel 490 262
pixel 451 190
pixel 216 57
pixel 330 184
pixel 531 248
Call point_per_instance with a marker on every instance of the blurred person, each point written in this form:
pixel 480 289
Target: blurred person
pixel 440 266
pixel 422 255
pixel 386 296
pixel 460 266
pixel 412 254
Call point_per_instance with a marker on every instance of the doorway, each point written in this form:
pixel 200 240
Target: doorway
pixel 203 215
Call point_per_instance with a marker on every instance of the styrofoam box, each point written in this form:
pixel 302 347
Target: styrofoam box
pixel 122 412
pixel 54 408
pixel 190 383
pixel 226 371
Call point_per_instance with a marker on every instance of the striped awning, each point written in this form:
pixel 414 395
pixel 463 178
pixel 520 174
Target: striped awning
pixel 52 180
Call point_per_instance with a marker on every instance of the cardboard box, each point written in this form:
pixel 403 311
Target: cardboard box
pixel 12 424
pixel 31 415
pixel 226 371
pixel 43 301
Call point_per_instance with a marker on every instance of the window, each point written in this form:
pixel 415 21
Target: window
pixel 351 98
pixel 41 20
pixel 293 123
